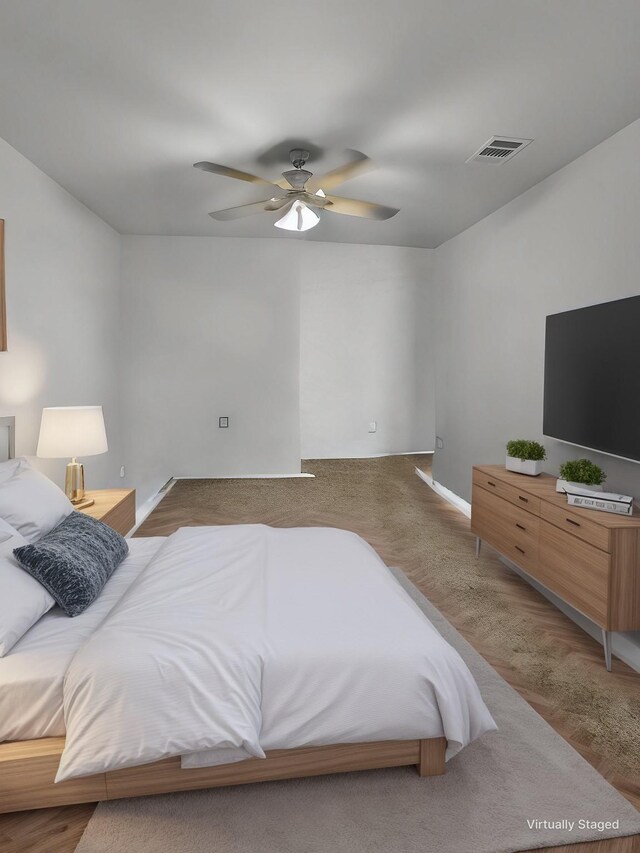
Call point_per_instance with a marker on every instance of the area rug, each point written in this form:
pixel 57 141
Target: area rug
pixel 516 789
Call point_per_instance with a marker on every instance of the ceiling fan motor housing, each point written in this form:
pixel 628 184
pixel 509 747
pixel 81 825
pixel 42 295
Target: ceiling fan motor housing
pixel 298 157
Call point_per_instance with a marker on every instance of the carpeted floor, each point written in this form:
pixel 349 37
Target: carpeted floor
pixel 386 503
pixel 483 804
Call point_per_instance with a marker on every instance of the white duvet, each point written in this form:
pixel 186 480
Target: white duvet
pixel 239 639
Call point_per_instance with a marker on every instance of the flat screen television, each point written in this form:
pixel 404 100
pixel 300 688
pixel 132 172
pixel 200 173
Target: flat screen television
pixel 592 377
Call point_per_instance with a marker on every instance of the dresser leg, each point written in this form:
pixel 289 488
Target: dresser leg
pixel 606 642
pixel 478 544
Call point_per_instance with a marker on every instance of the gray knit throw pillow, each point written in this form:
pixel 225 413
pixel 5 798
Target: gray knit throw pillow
pixel 75 560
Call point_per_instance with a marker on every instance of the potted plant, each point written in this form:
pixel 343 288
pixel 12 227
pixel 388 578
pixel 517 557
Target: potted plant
pixel 581 473
pixel 525 457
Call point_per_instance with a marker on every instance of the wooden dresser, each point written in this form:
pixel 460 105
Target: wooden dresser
pixel 589 559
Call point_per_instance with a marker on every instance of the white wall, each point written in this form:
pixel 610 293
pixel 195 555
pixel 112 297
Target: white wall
pixel 366 350
pixel 569 242
pixel 210 327
pixel 284 337
pixel 62 281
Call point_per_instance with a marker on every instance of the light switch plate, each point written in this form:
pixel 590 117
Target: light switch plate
pixel 223 423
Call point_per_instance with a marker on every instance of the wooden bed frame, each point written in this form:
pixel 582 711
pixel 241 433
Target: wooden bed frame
pixel 28 768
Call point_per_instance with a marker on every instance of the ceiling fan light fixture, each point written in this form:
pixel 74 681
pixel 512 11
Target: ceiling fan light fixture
pixel 299 217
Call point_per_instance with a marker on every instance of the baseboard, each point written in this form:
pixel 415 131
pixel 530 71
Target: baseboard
pixel 149 505
pixel 309 458
pixel 243 477
pixel 455 500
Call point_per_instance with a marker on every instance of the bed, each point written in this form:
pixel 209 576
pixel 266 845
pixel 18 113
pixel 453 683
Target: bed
pixel 226 655
pixel 32 675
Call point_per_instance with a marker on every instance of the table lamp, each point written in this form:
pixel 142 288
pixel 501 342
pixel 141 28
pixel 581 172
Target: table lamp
pixel 72 431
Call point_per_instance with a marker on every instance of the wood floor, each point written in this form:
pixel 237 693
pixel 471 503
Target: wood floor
pixel 59 830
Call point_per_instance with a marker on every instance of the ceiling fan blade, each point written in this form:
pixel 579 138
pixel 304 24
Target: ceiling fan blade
pixel 364 209
pixel 228 172
pixel 342 173
pixel 248 209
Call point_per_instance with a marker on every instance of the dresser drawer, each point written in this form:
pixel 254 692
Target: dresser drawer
pixel 510 493
pixel 576 524
pixel 511 530
pixel 577 571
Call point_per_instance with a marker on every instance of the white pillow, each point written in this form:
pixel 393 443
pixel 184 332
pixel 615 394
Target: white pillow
pixel 6 531
pixel 22 599
pixel 9 468
pixel 32 503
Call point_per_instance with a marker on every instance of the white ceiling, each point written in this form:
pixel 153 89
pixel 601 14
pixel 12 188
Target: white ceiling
pixel 116 99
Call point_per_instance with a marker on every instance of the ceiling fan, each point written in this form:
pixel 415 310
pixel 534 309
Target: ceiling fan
pixel 299 193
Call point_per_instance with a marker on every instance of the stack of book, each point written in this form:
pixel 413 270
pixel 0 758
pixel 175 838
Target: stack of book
pixel 603 501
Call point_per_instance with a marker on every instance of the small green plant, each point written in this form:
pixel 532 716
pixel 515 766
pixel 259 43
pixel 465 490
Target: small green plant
pixel 582 471
pixel 522 448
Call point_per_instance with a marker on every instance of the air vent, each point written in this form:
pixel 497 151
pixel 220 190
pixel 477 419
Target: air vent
pixel 499 149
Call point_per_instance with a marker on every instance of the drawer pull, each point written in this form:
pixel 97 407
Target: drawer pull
pixel 520 526
pixel 489 483
pixel 575 523
pixel 519 549
pixel 524 500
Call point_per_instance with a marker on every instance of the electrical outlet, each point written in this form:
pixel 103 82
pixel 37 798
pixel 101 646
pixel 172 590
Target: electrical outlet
pixel 439 443
pixel 122 471
pixel 373 426
pixel 223 423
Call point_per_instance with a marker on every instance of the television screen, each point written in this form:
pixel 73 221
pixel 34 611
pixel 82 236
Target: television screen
pixel 592 377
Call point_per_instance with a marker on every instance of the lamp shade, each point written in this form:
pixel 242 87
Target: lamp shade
pixel 72 431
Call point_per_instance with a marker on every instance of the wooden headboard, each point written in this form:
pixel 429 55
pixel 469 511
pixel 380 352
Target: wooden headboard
pixel 7 438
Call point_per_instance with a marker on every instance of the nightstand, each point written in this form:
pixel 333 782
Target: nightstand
pixel 116 507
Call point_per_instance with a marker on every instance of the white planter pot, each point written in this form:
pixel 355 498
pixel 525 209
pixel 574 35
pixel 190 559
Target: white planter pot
pixel 563 485
pixel 523 466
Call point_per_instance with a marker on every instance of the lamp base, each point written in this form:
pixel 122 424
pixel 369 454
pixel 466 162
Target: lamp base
pixel 83 504
pixel 74 481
